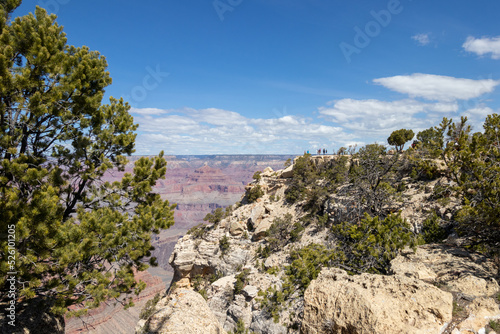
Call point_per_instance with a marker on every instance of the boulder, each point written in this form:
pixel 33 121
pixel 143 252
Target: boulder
pixel 261 230
pixel 338 303
pixel 475 286
pixel 461 271
pixel 267 172
pixel 412 269
pixel 256 215
pixel 237 228
pixel 183 311
pixel 287 172
pixel 481 310
pixel 250 291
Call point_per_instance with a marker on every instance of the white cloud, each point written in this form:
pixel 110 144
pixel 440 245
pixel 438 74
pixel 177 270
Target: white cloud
pixel 422 39
pixel 147 111
pixel 480 111
pixel 375 117
pixel 216 131
pixel 340 122
pixel 483 46
pixel 438 87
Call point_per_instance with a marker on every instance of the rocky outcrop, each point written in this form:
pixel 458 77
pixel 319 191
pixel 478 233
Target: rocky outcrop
pixel 183 312
pixel 440 288
pixel 367 304
pixel 480 312
pixel 453 268
pixel 468 276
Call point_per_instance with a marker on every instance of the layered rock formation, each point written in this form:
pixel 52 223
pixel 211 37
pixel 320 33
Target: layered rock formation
pixel 440 288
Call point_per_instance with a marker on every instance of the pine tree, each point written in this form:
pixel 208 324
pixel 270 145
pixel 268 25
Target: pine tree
pixel 399 137
pixel 78 239
pixel 473 162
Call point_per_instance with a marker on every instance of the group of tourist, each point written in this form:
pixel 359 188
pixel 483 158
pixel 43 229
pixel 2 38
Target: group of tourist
pixel 319 151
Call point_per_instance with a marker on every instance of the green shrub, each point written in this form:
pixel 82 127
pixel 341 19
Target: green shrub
pixel 272 302
pixel 257 175
pixel 254 193
pixel 431 141
pixel 306 264
pixel 432 231
pixel 370 244
pixel 150 307
pixel 495 325
pixel 197 231
pixel 241 281
pixel 273 270
pixel 279 232
pixel 216 216
pixel 215 276
pixel 240 328
pixel 203 293
pixel 426 170
pixel 224 245
pixel 263 251
pixel 296 232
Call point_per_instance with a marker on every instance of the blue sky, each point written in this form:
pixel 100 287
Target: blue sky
pixel 285 76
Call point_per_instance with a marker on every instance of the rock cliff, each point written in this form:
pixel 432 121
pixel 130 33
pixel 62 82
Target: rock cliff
pixel 244 270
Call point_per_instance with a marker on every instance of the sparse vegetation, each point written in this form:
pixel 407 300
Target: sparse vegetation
pixel 254 193
pixel 241 281
pixel 150 308
pixel 197 231
pixel 495 325
pixel 224 245
pixel 216 216
pixel 305 266
pixel 240 328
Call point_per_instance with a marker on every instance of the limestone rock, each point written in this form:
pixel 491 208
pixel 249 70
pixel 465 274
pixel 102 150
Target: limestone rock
pixel 338 303
pixel 256 214
pixel 261 230
pixel 475 286
pixel 456 268
pixel 183 311
pixel 250 291
pixel 236 228
pixel 481 310
pixel 287 172
pixel 412 269
pixel 267 172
